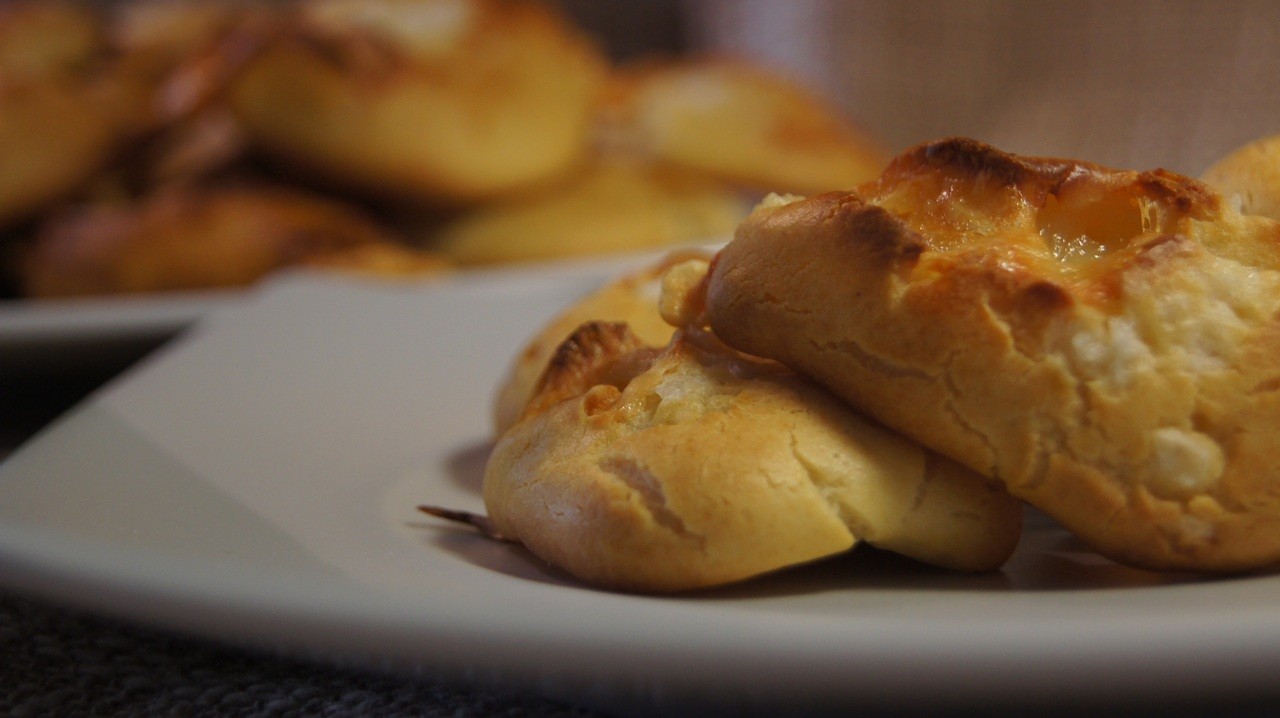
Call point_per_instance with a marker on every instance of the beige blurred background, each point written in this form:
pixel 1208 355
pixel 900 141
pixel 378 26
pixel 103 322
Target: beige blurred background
pixel 1131 83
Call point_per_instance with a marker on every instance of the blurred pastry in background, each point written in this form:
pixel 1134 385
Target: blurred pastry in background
pixel 442 102
pixel 379 260
pixel 123 96
pixel 490 131
pixel 54 137
pixel 185 51
pixel 181 56
pixel 683 149
pixel 40 40
pixel 738 123
pixel 1252 174
pixel 62 115
pixel 194 239
pixel 207 145
pixel 631 299
pixel 616 205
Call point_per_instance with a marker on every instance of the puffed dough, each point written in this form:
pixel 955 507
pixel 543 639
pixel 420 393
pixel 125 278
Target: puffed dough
pixel 43 39
pixel 201 238
pixel 182 55
pixel 379 259
pixel 1103 342
pixel 1251 176
pixel 439 101
pixel 53 137
pixel 631 299
pixel 63 116
pixel 614 206
pixel 666 469
pixel 737 123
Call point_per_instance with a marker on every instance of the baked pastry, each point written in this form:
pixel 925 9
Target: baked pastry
pixel 666 469
pixel 48 38
pixel 615 206
pixel 62 118
pixel 1103 342
pixel 185 52
pixel 181 56
pixel 192 239
pixel 631 299
pixel 54 136
pixel 437 101
pixel 738 123
pixel 1250 173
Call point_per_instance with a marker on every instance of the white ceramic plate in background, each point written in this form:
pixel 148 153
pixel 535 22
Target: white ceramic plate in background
pixel 70 332
pixel 255 482
pixel 58 334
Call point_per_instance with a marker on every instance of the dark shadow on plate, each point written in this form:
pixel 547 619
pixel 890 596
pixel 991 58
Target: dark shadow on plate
pixel 863 568
pixel 1048 559
pixel 465 466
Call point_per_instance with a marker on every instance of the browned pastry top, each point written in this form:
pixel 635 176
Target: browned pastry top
pixel 1102 341
pixel 1052 230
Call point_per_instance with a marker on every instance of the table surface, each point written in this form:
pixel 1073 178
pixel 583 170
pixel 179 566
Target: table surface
pixel 59 661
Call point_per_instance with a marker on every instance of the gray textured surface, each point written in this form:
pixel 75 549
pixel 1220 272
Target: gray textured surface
pixel 55 662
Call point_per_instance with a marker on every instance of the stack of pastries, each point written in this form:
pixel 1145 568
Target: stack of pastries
pixel 211 142
pixel 663 459
pixel 907 361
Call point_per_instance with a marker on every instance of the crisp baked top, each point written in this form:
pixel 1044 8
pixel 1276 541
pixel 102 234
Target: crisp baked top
pixel 1103 342
pixel 1073 224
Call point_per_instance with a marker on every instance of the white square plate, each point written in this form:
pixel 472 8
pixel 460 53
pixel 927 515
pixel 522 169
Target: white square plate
pixel 58 334
pixel 255 482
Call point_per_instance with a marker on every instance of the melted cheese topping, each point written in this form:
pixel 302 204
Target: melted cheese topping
pixel 1068 237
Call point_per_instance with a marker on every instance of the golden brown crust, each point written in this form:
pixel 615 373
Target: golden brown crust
pixel 48 38
pixel 382 259
pixel 191 239
pixel 738 123
pixel 1101 341
pixel 595 354
pixel 449 101
pixel 91 96
pixel 63 115
pixel 54 136
pixel 631 299
pixel 613 206
pixel 183 54
pixel 693 466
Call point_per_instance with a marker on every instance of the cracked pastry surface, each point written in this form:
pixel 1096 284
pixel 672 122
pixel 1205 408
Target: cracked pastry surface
pixel 1103 342
pixel 665 469
pixel 631 299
